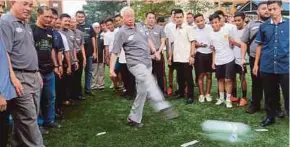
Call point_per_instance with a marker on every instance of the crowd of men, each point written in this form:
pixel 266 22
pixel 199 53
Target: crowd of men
pixel 42 64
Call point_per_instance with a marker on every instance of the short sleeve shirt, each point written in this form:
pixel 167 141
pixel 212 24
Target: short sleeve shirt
pixel 182 38
pixel 88 34
pixel 157 34
pixel 109 39
pixel 237 34
pixel 223 53
pixel 57 41
pixel 79 38
pixel 202 36
pixel 135 44
pixel 70 36
pixel 18 39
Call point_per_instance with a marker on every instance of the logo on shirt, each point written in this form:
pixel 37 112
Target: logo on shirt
pixel 19 30
pixel 155 33
pixel 49 36
pixel 131 37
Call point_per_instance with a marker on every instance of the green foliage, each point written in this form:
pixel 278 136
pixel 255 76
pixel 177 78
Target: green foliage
pixel 198 6
pixel 98 10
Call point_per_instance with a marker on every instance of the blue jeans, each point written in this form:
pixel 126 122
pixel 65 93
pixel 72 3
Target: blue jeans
pixel 88 74
pixel 47 101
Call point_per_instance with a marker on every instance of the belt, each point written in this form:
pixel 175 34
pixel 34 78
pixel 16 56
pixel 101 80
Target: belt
pixel 24 70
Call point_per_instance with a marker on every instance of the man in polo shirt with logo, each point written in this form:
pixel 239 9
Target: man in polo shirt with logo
pixel 44 45
pixel 26 79
pixel 273 50
pixel 183 55
pixel 81 55
pixel 135 41
pixel 158 38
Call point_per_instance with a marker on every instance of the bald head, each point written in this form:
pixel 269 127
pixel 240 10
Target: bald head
pixel 128 16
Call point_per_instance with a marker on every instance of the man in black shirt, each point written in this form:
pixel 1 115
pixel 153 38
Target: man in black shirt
pixel 90 47
pixel 46 50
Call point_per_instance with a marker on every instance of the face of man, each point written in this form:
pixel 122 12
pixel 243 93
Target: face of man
pixel 239 21
pixel 263 11
pixel 275 10
pixel 199 21
pixel 118 21
pixel 2 7
pixel 57 24
pixel 97 29
pixel 73 24
pixel 80 18
pixel 129 17
pixel 65 23
pixel 222 20
pixel 162 24
pixel 110 26
pixel 53 20
pixel 45 19
pixel 104 27
pixel 22 9
pixel 178 18
pixel 216 24
pixel 189 19
pixel 150 19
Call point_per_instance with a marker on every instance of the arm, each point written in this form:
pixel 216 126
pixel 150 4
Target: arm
pixel 213 60
pixel 243 50
pixel 59 59
pixel 3 104
pixel 84 55
pixel 192 53
pixel 95 47
pixel 112 65
pixel 257 59
pixel 162 45
pixel 54 61
pixel 67 57
pixel 16 83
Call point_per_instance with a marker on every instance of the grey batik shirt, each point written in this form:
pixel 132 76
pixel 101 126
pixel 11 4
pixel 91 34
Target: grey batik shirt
pixel 156 35
pixel 18 39
pixel 135 44
pixel 250 31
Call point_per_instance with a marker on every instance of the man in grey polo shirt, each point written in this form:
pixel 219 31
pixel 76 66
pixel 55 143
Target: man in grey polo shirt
pixel 18 39
pixel 248 41
pixel 135 41
pixel 158 38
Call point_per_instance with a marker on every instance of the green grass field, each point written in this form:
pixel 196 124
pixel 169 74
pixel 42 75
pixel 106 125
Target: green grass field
pixel 108 112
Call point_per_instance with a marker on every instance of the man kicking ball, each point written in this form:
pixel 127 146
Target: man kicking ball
pixel 134 39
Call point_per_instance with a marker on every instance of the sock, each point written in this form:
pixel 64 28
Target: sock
pixel 228 96
pixel 222 95
pixel 244 93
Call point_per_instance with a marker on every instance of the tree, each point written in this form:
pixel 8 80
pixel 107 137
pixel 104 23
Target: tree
pixel 99 10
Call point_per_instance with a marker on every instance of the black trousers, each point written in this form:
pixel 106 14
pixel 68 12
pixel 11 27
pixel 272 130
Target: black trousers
pixel 184 74
pixel 68 80
pixel 128 79
pixel 158 71
pixel 4 128
pixel 271 84
pixel 59 91
pixel 77 78
pixel 257 87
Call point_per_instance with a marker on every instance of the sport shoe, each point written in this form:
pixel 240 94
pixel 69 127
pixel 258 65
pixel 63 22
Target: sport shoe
pixel 134 124
pixel 169 113
pixel 51 125
pixel 201 98
pixel 243 102
pixel 169 91
pixel 208 98
pixel 219 101
pixel 43 131
pixel 228 103
pixel 234 99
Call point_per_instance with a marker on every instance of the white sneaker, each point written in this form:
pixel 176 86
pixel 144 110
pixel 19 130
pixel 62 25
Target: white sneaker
pixel 112 86
pixel 219 101
pixel 201 98
pixel 228 103
pixel 208 98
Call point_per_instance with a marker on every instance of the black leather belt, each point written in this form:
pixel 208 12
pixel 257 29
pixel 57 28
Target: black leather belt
pixel 24 70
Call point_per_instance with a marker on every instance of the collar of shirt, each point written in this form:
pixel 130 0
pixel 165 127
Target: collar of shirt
pixel 281 20
pixel 13 18
pixel 181 27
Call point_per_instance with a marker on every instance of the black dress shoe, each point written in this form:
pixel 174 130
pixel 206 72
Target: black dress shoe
pixel 180 96
pixel 280 114
pixel 267 122
pixel 189 101
pixel 81 98
pixel 252 109
pixel 89 94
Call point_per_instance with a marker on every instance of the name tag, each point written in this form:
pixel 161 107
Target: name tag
pixel 155 33
pixel 19 30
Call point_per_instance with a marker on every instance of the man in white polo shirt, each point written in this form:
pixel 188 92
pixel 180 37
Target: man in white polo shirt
pixel 183 54
pixel 223 60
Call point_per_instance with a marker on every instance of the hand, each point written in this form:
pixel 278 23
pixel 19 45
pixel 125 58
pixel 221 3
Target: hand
pixel 255 70
pixel 204 45
pixel 68 70
pixel 40 80
pixel 212 47
pixel 56 71
pixel 169 61
pixel 213 66
pixel 84 63
pixel 76 65
pixel 18 86
pixel 153 57
pixel 60 68
pixel 112 74
pixel 157 56
pixel 3 104
pixel 191 60
pixel 94 55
